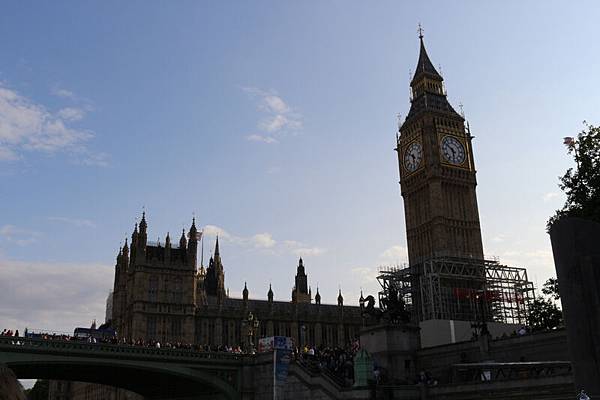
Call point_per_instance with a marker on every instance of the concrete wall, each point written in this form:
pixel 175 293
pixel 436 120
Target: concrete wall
pixel 300 384
pixel 393 348
pixel 435 332
pixel 542 346
pixel 555 388
pixel 576 248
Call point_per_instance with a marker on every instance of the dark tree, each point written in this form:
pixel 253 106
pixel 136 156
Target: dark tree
pixel 582 184
pixel 544 314
pixel 551 288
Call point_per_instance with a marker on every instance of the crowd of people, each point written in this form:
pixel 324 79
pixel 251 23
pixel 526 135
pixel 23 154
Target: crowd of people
pixel 337 361
pixel 8 332
pixel 123 342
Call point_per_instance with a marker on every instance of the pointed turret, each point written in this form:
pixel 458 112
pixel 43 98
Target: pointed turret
pixel 168 248
pixel 270 294
pixel 143 224
pixel 424 65
pixel 182 240
pixel 215 276
pixel 340 298
pixel 125 255
pixel 427 86
pixel 245 292
pixel 318 297
pixel 134 235
pixel 362 299
pixel 217 255
pixel 300 293
pixel 134 240
pixel 142 239
pixel 192 254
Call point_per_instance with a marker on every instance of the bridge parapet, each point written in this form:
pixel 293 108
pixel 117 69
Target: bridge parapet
pixel 114 350
pixel 482 372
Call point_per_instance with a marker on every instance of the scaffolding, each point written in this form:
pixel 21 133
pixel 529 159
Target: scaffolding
pixel 462 289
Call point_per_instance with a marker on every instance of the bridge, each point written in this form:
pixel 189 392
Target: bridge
pixel 152 372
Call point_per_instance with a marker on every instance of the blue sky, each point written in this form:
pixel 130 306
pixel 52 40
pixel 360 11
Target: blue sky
pixel 274 123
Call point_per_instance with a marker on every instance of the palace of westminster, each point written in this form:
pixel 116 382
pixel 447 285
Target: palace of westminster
pixel 161 293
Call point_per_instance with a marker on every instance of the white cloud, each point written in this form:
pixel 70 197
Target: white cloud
pixel 263 240
pixel 275 104
pixel 274 123
pixel 65 295
pixel 19 236
pixel 62 92
pixel 27 126
pixel 71 114
pixel 280 117
pixel 261 138
pixel 395 255
pixel 365 274
pixel 80 223
pixel 7 154
pixel 308 251
pixel 91 159
pixel 499 238
pixel 547 197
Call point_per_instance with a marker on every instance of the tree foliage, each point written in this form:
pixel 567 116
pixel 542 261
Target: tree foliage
pixel 582 184
pixel 550 288
pixel 544 314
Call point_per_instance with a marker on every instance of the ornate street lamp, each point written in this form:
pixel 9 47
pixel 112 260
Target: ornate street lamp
pixel 252 324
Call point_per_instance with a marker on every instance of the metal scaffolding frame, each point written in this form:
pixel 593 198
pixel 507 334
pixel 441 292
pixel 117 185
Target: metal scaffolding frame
pixel 461 289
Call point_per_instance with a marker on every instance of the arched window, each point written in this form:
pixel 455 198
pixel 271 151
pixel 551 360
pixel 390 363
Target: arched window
pixel 153 288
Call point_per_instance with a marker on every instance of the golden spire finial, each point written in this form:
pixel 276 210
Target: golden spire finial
pixel 420 31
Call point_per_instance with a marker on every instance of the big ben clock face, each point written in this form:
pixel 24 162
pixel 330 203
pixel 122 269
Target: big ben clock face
pixel 413 156
pixel 453 150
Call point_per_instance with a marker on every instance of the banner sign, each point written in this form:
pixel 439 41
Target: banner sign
pixel 281 364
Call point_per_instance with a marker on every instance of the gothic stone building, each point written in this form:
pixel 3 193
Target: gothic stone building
pixel 160 294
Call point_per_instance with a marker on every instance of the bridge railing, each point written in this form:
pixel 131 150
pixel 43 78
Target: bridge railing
pixel 493 372
pixel 15 343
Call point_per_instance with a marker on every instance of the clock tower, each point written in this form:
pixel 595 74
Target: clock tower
pixel 437 173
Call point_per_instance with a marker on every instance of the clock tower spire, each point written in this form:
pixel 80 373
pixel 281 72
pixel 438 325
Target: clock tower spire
pixel 437 172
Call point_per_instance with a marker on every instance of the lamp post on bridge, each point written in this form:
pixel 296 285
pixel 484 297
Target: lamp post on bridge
pixel 251 323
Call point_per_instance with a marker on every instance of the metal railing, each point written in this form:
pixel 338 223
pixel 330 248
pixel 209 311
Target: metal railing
pixel 493 372
pixel 49 345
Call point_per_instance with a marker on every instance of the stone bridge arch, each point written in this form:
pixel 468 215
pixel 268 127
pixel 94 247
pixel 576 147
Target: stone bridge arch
pixel 153 373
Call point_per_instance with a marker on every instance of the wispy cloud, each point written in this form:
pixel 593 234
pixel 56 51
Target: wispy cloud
pixel 547 197
pixel 64 296
pixel 278 117
pixel 80 223
pixel 59 91
pixel 19 236
pixel 71 113
pixel 261 138
pixel 395 255
pixel 264 241
pixel 26 126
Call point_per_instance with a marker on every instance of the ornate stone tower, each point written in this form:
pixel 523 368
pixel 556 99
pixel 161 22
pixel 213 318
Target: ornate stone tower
pixel 300 293
pixel 215 276
pixel 437 173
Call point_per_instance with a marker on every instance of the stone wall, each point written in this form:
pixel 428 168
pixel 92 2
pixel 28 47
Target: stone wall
pixel 10 388
pixel 576 248
pixel 542 346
